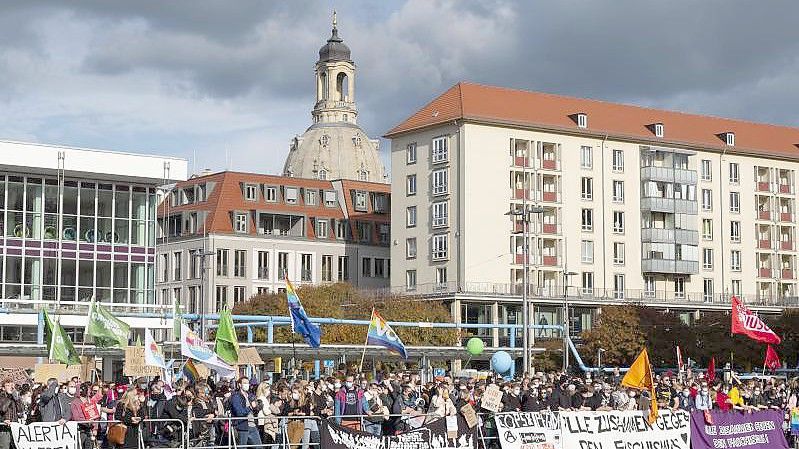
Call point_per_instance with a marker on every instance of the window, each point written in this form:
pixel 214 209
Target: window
pixel 618 191
pixel 618 253
pixel 323 175
pixel 410 248
pixel 618 222
pixel 736 287
pixel 735 176
pixel 270 194
pixel 176 266
pixel 735 231
pixel 263 264
pixel 327 268
pixel 240 263
pixel 735 202
pixel 440 150
pixel 735 260
pixel 618 161
pixel 250 192
pixel 586 157
pixel 310 197
pixel 440 246
pixel 587 251
pixel 239 294
pixel 707 173
pixel 343 268
pixel 659 129
pixel 322 230
pixel 360 201
pixel 363 175
pixel 366 267
pixel 380 268
pixel 163 272
pixel 649 286
pixel 282 266
pixel 221 297
pixel 582 120
pixel 440 182
pixel 441 277
pixel 707 229
pixel 330 198
pixel 707 199
pixel 240 222
pixel 411 185
pixel 587 219
pixel 440 214
pixel 679 287
pixel 730 139
pixel 410 153
pixel 707 258
pixel 221 262
pixel 410 280
pixel 707 290
pixel 586 188
pixel 588 283
pixel 410 216
pixel 618 286
pixel 306 267
pixel 364 231
pixel 342 229
pixel 291 195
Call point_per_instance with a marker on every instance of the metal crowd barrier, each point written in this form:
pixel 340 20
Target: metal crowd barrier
pixel 141 445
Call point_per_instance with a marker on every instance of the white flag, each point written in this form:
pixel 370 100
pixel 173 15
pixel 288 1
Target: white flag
pixel 152 353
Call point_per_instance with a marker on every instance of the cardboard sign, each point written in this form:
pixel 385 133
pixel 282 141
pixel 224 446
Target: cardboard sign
pixel 134 364
pixel 45 435
pixel 62 373
pixel 470 415
pixel 17 375
pixel 249 356
pixel 492 399
pixel 528 430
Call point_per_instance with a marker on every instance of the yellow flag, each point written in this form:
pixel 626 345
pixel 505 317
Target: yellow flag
pixel 639 377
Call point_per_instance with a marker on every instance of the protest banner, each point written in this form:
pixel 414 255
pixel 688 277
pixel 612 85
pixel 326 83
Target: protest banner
pixel 611 430
pixel 492 398
pixel 528 430
pixel 757 430
pixel 433 435
pixel 134 363
pixel 249 356
pixel 44 371
pixel 17 375
pixel 45 435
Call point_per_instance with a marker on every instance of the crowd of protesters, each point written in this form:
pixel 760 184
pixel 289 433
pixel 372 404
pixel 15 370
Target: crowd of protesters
pixel 289 410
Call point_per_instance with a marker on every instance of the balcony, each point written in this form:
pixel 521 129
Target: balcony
pixel 786 245
pixel 519 259
pixel 786 217
pixel 550 197
pixel 669 205
pixel 670 266
pixel 763 186
pixel 668 174
pixel 549 164
pixel 521 161
pixel 659 235
pixel 764 272
pixel 785 189
pixel 764 243
pixel 549 261
pixel 787 273
pixel 764 215
pixel 519 194
pixel 550 228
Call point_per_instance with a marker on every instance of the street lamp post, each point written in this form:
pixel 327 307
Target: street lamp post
pixel 566 318
pixel 525 214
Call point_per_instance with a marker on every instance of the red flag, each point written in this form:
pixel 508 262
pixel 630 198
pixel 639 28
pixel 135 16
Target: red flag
pixel 772 359
pixel 747 323
pixel 711 370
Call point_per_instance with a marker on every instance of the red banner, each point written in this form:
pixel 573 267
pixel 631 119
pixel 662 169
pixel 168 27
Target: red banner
pixel 747 323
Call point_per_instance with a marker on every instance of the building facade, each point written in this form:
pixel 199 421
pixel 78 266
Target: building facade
pixel 623 204
pixel 228 236
pixel 78 224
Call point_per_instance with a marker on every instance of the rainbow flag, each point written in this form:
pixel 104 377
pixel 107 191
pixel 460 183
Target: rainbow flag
pixel 300 323
pixel 381 334
pixel 190 371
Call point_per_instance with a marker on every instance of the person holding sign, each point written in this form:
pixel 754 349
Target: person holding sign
pixel 10 411
pixel 84 408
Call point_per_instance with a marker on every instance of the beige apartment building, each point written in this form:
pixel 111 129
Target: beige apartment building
pixel 625 204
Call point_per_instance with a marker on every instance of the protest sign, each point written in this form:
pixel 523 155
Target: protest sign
pixel 433 435
pixel 469 415
pixel 17 375
pixel 134 363
pixel 45 435
pixel 610 430
pixel 44 371
pixel 528 430
pixel 492 398
pixel 757 430
pixel 249 356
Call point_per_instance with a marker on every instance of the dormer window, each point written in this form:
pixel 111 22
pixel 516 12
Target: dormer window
pixel 582 120
pixel 323 174
pixel 658 129
pixel 729 138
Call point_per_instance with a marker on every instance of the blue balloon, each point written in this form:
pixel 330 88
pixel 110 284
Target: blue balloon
pixel 501 361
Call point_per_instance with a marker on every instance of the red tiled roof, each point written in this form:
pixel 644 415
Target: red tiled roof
pixel 479 103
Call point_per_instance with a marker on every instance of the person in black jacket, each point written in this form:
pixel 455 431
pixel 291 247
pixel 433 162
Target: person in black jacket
pixel 176 410
pixel 10 411
pixel 130 411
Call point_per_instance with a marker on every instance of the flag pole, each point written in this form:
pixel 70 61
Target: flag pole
pixel 366 342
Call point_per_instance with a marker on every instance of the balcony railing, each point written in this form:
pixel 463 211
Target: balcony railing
pixel 764 272
pixel 785 188
pixel 669 266
pixel 668 174
pixel 786 245
pixel 521 161
pixel 763 186
pixel 764 214
pixel 520 194
pixel 669 205
pixel 787 273
pixel 550 197
pixel 786 217
pixel 550 228
pixel 658 235
pixel 764 243
pixel 549 164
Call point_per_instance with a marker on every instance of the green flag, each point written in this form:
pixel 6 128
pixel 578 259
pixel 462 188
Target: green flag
pixel 106 330
pixel 59 346
pixel 227 345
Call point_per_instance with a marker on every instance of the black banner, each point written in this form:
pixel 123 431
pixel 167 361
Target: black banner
pixel 437 434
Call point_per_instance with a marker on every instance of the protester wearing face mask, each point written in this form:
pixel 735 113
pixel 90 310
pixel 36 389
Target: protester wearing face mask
pixel 685 401
pixel 176 409
pixel 348 403
pixel 703 401
pixel 240 407
pixel 512 401
pixel 56 406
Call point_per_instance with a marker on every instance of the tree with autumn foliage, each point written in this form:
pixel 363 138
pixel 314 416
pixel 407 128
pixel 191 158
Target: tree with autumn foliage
pixel 343 301
pixel 617 330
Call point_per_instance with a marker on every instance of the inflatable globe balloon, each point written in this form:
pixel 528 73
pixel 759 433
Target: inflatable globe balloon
pixel 475 346
pixel 501 361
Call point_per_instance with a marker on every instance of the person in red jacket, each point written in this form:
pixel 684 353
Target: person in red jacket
pixel 84 408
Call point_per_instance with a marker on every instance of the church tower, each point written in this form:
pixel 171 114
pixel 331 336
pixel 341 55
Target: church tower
pixel 335 147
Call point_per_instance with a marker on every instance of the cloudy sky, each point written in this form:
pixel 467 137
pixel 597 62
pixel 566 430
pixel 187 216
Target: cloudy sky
pixel 216 78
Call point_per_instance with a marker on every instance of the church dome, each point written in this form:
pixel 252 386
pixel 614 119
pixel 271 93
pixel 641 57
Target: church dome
pixel 335 49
